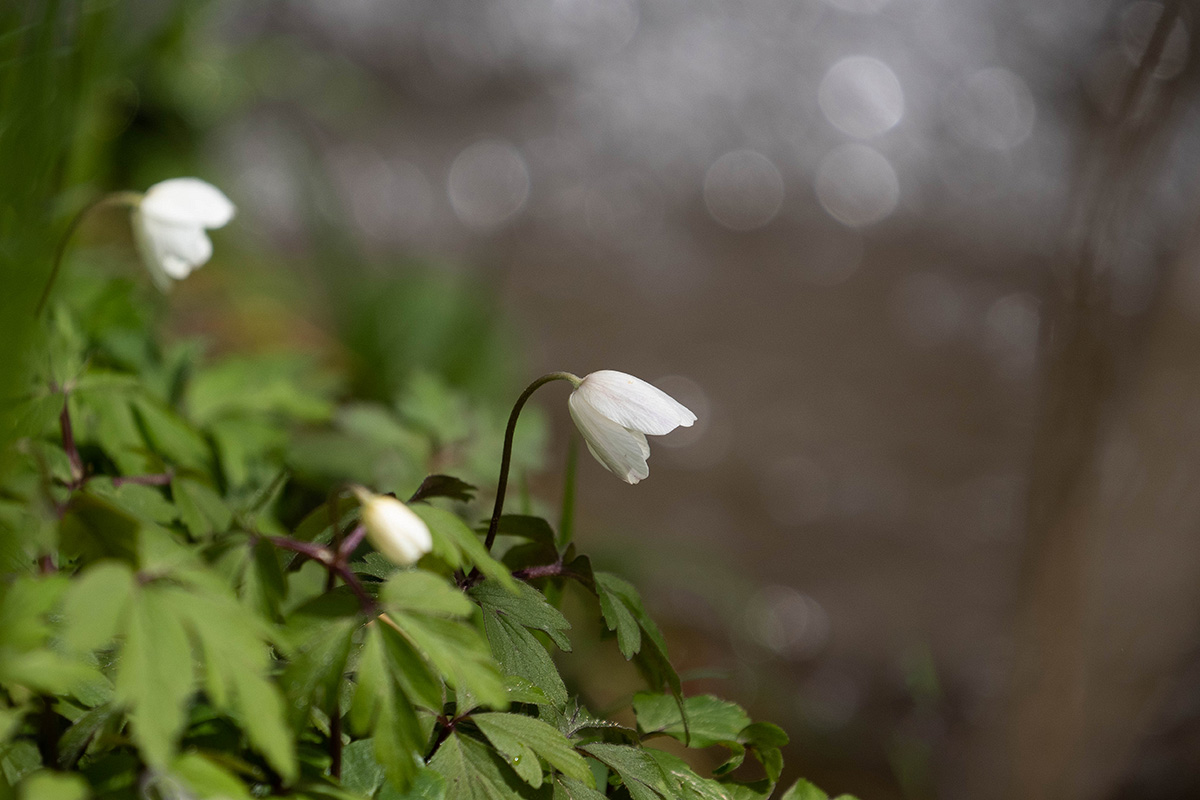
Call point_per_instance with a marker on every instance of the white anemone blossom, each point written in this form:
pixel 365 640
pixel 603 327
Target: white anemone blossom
pixel 393 529
pixel 615 411
pixel 169 224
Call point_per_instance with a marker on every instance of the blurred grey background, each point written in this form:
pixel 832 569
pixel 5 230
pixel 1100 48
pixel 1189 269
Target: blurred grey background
pixel 922 269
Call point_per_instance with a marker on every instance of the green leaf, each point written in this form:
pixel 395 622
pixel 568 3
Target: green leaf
pixel 76 739
pixel 263 581
pixel 360 771
pixel 764 740
pixel 380 706
pixel 201 509
pixel 320 649
pixel 459 653
pixel 803 790
pixel 506 617
pixel 94 528
pixel 452 531
pixel 687 784
pixel 535 529
pixel 236 665
pixel 639 772
pixel 47 785
pixel 711 720
pixel 567 789
pixel 618 618
pixel 207 779
pixel 427 785
pixel 18 759
pixel 425 592
pixel 472 771
pixel 170 436
pixel 520 654
pixel 154 676
pixel 95 605
pixel 144 502
pixel 443 486
pixel 528 607
pixel 513 734
pixel 410 669
pixel 652 661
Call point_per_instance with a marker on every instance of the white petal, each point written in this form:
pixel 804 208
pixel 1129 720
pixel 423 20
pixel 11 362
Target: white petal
pixel 621 451
pixel 170 250
pixel 632 403
pixel 395 531
pixel 188 201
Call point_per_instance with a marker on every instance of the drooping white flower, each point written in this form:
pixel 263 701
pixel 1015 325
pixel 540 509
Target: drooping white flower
pixel 169 224
pixel 615 411
pixel 393 529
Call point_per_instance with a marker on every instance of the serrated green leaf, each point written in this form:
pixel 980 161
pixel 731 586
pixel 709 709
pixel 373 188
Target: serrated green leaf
pixel 687 784
pixel 452 531
pixel 459 653
pixel 154 676
pixel 320 649
pixel 473 772
pixel 95 605
pixel 201 509
pixel 263 581
pixel 639 772
pixel 528 607
pixel 236 663
pixel 521 690
pixel 512 732
pixel 618 618
pixel 519 653
pixel 410 669
pixel 427 785
pixel 143 502
pixel 710 719
pixel 424 592
pixel 360 771
pixel 568 789
pixel 379 706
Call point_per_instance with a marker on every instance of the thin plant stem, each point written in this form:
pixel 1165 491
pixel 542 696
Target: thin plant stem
pixel 506 457
pixel 68 440
pixel 118 198
pixel 332 563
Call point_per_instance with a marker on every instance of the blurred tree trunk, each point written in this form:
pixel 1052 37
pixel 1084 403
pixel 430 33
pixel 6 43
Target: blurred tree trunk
pixel 1110 592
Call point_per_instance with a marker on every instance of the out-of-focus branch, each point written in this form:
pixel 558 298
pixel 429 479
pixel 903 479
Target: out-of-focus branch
pixel 1081 341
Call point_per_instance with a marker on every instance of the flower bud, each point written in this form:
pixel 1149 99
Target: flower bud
pixel 393 529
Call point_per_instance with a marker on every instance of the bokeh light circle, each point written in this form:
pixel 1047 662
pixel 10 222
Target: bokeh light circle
pixel 856 185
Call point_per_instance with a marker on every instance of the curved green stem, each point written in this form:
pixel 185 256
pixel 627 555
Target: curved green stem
pixel 117 198
pixel 506 458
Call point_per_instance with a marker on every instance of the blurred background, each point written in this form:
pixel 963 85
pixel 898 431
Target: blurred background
pixel 924 269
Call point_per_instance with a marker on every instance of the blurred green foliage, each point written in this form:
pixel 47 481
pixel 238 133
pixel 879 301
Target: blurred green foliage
pixel 177 615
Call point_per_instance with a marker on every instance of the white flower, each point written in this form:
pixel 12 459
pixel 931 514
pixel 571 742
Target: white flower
pixel 393 529
pixel 615 411
pixel 169 224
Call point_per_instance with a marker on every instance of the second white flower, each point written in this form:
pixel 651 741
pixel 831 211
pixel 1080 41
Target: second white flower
pixel 615 411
